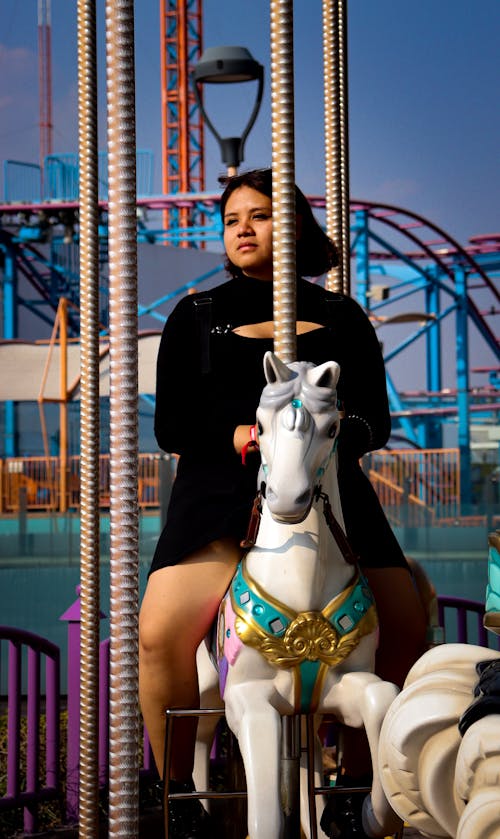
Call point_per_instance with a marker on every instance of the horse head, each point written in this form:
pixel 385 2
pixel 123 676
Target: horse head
pixel 298 424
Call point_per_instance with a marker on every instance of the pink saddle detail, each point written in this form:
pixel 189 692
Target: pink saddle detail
pixel 232 643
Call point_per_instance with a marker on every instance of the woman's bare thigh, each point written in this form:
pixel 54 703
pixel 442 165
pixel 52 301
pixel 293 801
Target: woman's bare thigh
pixel 181 601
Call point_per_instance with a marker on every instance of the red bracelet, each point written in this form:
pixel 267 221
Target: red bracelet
pixel 253 443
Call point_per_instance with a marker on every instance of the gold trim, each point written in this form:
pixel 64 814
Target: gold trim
pixel 309 637
pixel 318 687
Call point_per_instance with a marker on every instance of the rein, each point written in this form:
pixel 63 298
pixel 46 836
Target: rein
pixel 333 525
pixel 335 529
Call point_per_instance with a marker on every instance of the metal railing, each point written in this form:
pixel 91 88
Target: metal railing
pixel 23 182
pixel 416 488
pixel 427 477
pixel 26 786
pixel 34 719
pixel 34 483
pixel 462 619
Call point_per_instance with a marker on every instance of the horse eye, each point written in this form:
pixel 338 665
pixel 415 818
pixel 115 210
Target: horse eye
pixel 260 430
pixel 332 431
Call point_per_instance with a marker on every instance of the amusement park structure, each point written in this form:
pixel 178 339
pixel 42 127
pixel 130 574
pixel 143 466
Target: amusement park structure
pixel 429 296
pixel 408 274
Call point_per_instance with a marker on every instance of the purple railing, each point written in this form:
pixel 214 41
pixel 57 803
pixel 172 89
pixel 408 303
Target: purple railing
pixel 72 616
pixel 25 788
pixel 462 619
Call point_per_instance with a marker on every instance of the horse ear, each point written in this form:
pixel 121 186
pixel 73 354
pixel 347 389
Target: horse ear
pixel 275 370
pixel 324 375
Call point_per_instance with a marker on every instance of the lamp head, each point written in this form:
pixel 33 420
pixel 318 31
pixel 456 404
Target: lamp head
pixel 220 65
pixel 226 65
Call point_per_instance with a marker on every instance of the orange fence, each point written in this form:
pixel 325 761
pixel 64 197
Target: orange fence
pixel 34 483
pixel 416 488
pixel 400 507
pixel 426 483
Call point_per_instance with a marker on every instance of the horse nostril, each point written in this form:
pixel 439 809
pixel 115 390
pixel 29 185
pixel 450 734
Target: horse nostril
pixel 303 498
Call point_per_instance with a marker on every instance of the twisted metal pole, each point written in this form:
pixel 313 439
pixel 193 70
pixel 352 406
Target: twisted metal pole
pixel 89 421
pixel 124 566
pixel 337 139
pixel 283 162
pixel 285 301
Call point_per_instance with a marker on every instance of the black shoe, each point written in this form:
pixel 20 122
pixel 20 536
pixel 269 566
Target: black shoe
pixel 487 691
pixel 187 818
pixel 342 816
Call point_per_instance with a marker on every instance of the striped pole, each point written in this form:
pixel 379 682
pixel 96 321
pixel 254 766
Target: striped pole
pixel 89 422
pixel 283 198
pixel 337 139
pixel 124 518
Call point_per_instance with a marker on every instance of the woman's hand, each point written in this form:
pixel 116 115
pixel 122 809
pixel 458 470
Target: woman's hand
pixel 241 437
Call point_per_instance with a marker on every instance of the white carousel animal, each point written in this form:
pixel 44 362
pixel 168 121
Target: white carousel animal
pixel 298 629
pixel 441 783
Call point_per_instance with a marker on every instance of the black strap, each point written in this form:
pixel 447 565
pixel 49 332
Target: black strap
pixel 338 534
pixel 253 525
pixel 203 309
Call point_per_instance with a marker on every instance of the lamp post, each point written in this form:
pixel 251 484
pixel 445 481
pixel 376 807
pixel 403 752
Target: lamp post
pixel 227 65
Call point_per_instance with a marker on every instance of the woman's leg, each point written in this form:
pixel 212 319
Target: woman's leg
pixel 403 630
pixel 178 608
pixel 402 622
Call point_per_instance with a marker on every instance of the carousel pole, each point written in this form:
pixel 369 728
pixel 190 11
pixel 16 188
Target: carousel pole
pixel 124 565
pixel 89 422
pixel 285 306
pixel 337 139
pixel 283 162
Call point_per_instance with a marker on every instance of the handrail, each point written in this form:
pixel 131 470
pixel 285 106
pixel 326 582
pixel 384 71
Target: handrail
pixel 467 631
pixel 27 789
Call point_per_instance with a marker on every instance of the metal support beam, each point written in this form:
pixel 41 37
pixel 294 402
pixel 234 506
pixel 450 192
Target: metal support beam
pixel 462 362
pixel 434 431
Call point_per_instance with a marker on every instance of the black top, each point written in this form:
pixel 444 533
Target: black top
pixel 209 380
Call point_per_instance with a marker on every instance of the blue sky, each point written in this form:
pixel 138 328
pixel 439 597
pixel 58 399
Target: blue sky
pixel 424 116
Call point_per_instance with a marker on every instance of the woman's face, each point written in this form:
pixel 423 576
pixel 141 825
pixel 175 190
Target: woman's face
pixel 248 234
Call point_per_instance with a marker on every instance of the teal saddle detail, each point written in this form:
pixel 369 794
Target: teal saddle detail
pixel 492 605
pixel 275 621
pixel 308 642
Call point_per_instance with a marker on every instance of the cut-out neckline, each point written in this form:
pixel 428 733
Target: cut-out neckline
pixel 265 329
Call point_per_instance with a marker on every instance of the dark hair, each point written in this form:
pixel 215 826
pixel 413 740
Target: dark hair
pixel 315 254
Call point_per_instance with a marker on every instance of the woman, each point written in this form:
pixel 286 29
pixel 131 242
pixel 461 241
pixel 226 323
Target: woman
pixel 209 381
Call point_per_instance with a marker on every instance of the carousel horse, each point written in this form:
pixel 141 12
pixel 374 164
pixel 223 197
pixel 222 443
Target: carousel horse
pixel 439 754
pixel 297 630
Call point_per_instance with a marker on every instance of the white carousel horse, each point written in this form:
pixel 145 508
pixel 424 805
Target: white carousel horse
pixel 297 629
pixel 441 783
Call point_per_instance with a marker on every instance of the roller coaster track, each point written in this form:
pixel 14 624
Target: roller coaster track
pixel 397 247
pixel 445 252
pixel 393 236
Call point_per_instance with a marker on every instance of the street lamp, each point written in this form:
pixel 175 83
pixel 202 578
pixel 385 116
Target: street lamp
pixel 225 65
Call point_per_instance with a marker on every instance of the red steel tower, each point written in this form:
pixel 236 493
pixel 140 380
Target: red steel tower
pixel 182 123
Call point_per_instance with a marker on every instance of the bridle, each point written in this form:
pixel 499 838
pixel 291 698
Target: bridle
pixel 335 529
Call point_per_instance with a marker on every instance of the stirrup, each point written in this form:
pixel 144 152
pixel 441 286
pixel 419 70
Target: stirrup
pixel 492 607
